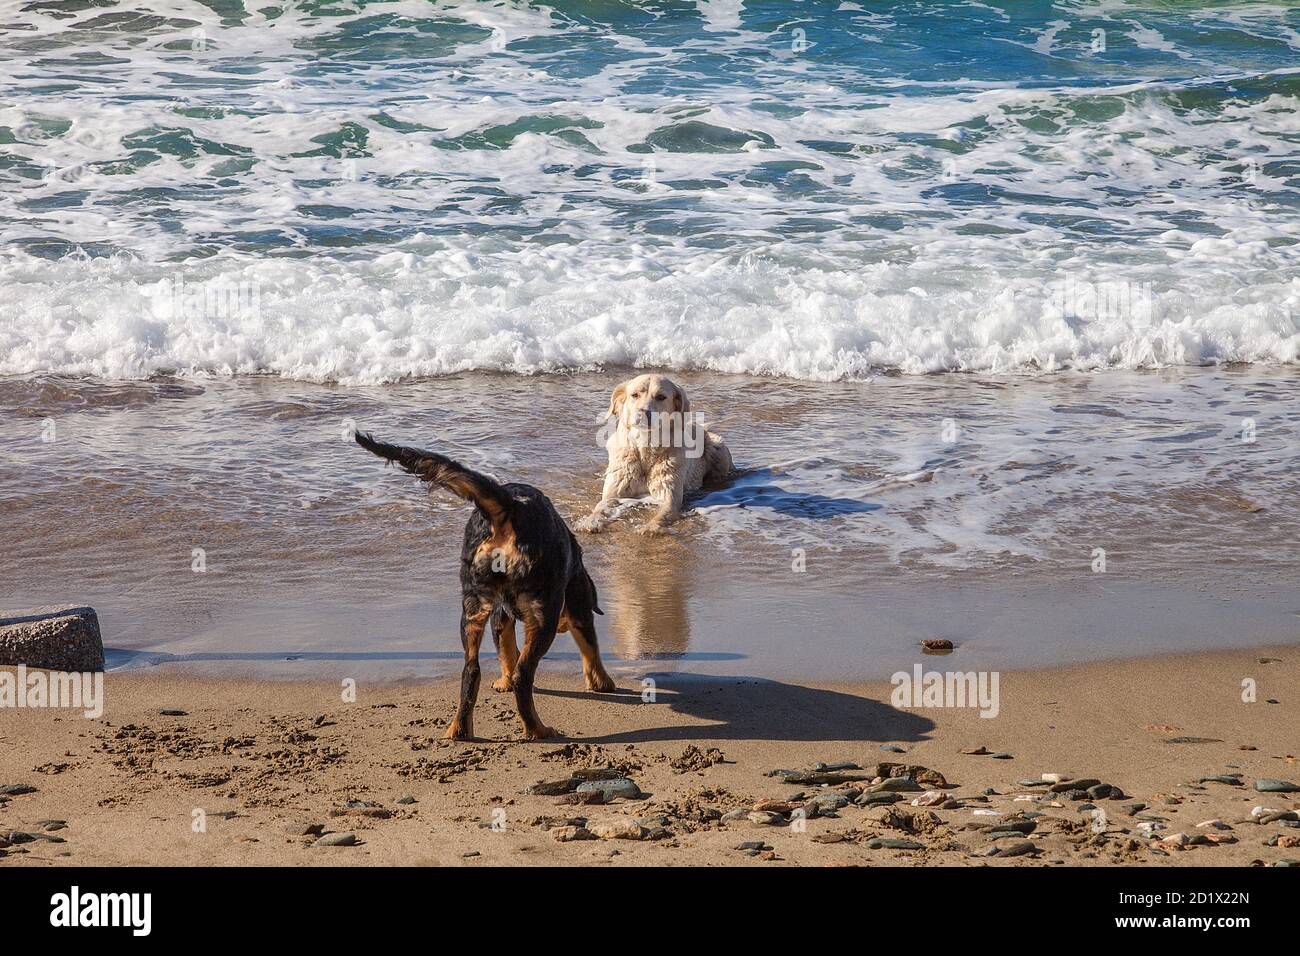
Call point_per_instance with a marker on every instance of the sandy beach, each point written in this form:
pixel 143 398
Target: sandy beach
pixel 182 770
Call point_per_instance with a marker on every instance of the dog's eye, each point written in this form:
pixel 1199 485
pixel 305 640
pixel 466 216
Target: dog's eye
pixel 636 394
pixel 659 398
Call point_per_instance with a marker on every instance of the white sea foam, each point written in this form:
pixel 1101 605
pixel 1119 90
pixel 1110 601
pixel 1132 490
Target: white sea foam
pixel 406 314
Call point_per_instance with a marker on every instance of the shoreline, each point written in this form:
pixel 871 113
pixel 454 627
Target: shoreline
pixel 257 759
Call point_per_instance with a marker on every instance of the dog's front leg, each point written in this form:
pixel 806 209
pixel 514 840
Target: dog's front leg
pixel 667 486
pixel 619 483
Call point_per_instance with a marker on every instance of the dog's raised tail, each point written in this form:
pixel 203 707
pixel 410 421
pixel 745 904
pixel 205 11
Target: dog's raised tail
pixel 483 492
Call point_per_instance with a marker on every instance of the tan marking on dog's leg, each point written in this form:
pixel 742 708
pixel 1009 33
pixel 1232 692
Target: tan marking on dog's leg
pixel 539 632
pixel 593 669
pixel 507 654
pixel 472 626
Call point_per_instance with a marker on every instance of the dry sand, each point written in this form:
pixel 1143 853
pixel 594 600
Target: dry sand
pixel 255 760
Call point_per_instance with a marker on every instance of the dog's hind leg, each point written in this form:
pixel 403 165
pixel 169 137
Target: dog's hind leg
pixel 473 621
pixel 539 632
pixel 582 625
pixel 503 635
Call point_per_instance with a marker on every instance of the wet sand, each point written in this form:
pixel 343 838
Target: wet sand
pixel 259 761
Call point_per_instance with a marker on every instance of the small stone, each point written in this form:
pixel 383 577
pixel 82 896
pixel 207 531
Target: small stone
pixel 618 828
pixel 764 819
pixel 731 816
pixel 773 806
pixel 1270 785
pixel 892 748
pixel 757 845
pixel 876 799
pixel 936 645
pixel 896 785
pixel 337 839
pixel 1018 848
pixel 1013 826
pixel 1054 778
pixel 1030 782
pixel 930 798
pixel 1216 824
pixel 16 789
pixel 1193 740
pixel 1001 755
pixel 891 843
pixel 620 787
pixel 975 751
pixel 553 788
pixel 49 826
pixel 829 837
pixel 570 833
pixel 1232 780
pixel 407 800
pixel 470 854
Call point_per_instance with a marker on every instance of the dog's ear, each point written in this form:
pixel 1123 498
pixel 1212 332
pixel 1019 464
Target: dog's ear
pixel 616 400
pixel 680 402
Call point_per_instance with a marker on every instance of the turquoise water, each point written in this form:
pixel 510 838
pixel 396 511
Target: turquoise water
pixel 369 191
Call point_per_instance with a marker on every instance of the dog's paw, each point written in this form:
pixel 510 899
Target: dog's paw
pixel 652 529
pixel 503 685
pixel 540 732
pixel 590 524
pixel 600 683
pixel 456 732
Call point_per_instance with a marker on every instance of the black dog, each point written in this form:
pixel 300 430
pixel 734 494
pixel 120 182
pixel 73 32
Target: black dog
pixel 520 562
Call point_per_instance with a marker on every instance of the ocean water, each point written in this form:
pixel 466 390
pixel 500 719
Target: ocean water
pixel 354 191
pixel 979 294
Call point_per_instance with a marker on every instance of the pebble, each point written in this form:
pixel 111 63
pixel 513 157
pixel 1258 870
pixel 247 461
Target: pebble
pixel 765 819
pixel 1030 782
pixel 891 843
pixel 1013 826
pixel 569 834
pixel 731 816
pixel 842 765
pixel 620 787
pixel 1133 808
pixel 51 825
pixel 16 789
pixel 829 838
pixel 930 798
pixel 470 854
pixel 774 806
pixel 619 828
pixel 896 785
pixel 407 800
pixel 166 712
pixel 832 800
pixel 1269 785
pixel 554 788
pixel 337 839
pixel 892 748
pixel 1216 824
pixel 974 751
pixel 1001 756
pixel 936 645
pixel 1019 848
pixel 877 799
pixel 1233 780
pixel 1068 784
pixel 756 845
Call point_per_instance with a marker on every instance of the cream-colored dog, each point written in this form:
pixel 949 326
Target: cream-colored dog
pixel 656 449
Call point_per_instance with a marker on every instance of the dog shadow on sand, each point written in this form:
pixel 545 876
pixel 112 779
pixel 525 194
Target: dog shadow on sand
pixel 750 708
